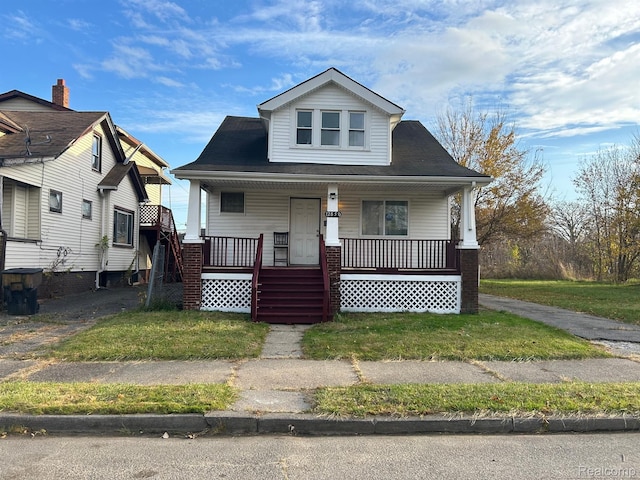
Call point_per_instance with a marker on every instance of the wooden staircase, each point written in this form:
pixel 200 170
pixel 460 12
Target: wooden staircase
pixel 158 226
pixel 291 296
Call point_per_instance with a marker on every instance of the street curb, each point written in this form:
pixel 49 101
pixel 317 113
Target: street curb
pixel 239 423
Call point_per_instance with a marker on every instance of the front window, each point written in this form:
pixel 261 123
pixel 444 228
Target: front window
pixel 96 153
pixel 231 202
pixel 122 227
pixel 385 217
pixel 304 131
pixel 330 133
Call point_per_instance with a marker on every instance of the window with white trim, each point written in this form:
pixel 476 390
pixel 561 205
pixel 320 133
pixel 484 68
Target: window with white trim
pixel 330 132
pixel 385 217
pixel 304 132
pixel 122 227
pixel 356 129
pixel 96 153
pixel 20 209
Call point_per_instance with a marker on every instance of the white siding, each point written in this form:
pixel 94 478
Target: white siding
pixel 282 147
pixel 428 213
pixel 68 241
pixel 267 211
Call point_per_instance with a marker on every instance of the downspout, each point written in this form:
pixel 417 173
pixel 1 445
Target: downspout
pixel 104 249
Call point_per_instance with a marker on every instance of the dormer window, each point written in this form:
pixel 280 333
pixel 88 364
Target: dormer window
pixel 304 132
pixel 343 129
pixel 330 134
pixel 356 129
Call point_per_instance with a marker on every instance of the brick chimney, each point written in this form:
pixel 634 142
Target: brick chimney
pixel 60 94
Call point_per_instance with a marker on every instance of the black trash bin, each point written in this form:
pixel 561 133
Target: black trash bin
pixel 20 290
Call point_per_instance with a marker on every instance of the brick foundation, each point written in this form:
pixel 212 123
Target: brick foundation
pixel 334 260
pixel 469 259
pixel 191 279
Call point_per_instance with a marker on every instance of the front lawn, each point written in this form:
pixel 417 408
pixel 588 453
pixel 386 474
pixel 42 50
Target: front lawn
pixel 422 336
pixel 619 302
pixel 480 399
pixel 165 335
pixel 113 399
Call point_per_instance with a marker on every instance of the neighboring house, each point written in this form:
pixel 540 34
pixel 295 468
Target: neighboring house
pixel 328 201
pixel 73 192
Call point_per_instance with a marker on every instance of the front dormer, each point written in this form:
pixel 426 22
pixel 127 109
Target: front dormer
pixel 330 119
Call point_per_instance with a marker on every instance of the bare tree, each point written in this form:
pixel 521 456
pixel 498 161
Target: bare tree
pixel 511 206
pixel 609 184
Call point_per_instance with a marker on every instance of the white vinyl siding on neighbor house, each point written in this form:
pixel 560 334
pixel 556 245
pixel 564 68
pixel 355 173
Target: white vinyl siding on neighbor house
pixel 67 241
pixel 376 132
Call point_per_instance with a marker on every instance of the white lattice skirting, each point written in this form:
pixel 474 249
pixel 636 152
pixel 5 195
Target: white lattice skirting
pixel 400 293
pixel 226 292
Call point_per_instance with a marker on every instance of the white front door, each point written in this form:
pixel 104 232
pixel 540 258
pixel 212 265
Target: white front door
pixel 305 231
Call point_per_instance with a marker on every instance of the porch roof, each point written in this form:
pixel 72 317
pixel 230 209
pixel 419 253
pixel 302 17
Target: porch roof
pixel 238 152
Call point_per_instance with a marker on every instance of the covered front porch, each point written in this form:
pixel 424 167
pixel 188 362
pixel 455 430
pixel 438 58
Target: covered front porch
pixel 312 280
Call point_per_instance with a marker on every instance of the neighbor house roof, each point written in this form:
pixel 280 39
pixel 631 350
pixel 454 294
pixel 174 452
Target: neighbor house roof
pixel 50 133
pixel 13 94
pixel 114 177
pixel 240 145
pixel 46 135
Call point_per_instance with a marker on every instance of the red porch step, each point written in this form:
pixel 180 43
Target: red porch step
pixel 290 295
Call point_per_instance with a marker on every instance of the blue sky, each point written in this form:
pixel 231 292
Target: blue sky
pixel 169 71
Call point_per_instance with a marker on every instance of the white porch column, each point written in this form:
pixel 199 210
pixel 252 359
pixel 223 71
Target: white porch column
pixel 192 234
pixel 468 237
pixel 333 220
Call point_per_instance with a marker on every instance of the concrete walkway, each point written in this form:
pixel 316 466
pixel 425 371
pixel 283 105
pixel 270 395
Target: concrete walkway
pixel 275 389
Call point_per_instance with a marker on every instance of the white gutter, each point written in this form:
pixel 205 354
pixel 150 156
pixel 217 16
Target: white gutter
pixel 306 178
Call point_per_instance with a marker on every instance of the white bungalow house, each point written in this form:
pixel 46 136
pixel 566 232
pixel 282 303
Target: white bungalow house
pixel 75 194
pixel 328 201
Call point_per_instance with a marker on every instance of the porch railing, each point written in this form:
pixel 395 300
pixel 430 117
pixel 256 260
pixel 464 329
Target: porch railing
pixel 326 286
pixel 157 216
pixel 255 280
pixel 399 254
pixel 236 252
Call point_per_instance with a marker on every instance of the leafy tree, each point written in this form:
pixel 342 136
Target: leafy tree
pixel 511 207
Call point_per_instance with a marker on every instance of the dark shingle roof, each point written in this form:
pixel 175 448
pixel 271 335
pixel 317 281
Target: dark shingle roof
pixel 62 127
pixel 240 145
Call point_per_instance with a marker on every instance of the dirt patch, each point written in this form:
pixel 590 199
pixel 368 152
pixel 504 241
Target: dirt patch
pixel 22 335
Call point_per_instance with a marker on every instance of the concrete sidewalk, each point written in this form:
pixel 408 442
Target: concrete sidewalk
pixel 276 388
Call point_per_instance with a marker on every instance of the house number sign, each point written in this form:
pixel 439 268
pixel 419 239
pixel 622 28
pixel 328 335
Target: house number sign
pixel 333 214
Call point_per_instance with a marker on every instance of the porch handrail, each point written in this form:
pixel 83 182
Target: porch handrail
pixel 255 279
pixel 399 254
pixel 325 281
pixel 230 251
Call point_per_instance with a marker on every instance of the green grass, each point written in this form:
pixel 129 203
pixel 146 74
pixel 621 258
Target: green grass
pixel 165 335
pixel 480 399
pixel 486 336
pixel 112 399
pixel 616 301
